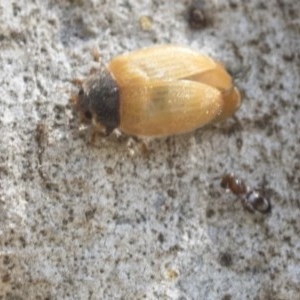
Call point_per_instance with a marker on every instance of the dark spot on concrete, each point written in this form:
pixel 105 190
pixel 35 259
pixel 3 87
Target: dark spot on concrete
pixel 261 6
pixel 161 238
pixel 225 259
pixel 59 111
pixel 22 241
pixel 11 296
pixel 239 143
pixel 227 297
pixel 89 214
pixel 5 278
pixel 233 4
pixel 109 170
pixel 172 193
pixel 288 57
pixel 6 260
pixel 210 213
pixel 175 248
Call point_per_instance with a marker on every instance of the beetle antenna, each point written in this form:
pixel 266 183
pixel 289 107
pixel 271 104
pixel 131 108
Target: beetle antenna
pixel 97 55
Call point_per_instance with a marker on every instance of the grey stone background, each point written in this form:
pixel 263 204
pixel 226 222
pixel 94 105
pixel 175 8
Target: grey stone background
pixel 82 221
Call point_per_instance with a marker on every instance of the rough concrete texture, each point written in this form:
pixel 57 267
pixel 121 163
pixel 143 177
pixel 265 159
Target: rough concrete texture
pixel 82 221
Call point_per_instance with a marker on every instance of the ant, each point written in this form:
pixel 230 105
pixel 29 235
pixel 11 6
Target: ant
pixel 252 200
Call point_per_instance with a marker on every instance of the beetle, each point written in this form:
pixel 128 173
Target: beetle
pixel 157 91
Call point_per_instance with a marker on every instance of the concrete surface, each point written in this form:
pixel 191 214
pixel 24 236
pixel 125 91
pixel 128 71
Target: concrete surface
pixel 81 221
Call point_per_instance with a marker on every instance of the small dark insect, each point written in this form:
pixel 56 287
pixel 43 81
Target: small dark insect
pixel 199 14
pixel 255 200
pixel 237 186
pixel 196 18
pixel 252 200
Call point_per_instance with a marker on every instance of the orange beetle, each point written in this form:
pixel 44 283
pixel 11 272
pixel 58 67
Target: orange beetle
pixel 157 91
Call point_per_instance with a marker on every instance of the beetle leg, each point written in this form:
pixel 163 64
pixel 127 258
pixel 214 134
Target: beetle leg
pixel 97 54
pixel 73 99
pixel 93 70
pixel 135 143
pixel 145 149
pixel 77 81
pixel 132 142
pixel 96 131
pixel 93 137
pixel 100 128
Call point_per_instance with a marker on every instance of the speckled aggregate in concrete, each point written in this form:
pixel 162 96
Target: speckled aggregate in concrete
pixel 81 221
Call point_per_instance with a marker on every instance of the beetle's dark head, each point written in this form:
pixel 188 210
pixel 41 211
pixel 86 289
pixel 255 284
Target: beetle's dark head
pixel 98 100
